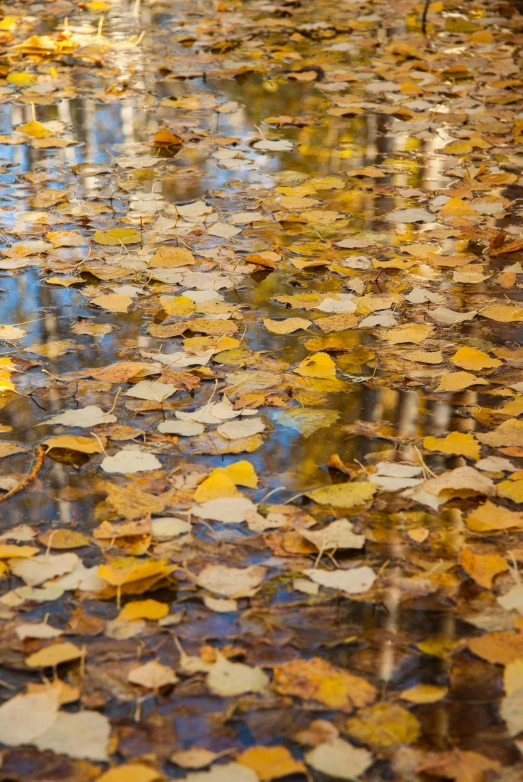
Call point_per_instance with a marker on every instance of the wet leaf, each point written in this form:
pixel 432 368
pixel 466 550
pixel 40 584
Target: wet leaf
pixel 271 762
pixel 339 759
pixel 231 582
pixel 116 236
pixel 317 680
pixel 475 360
pixel 482 568
pixel 143 609
pixel 344 495
pixel 384 725
pixel 130 461
pixel 352 582
pixel 152 676
pixel 53 655
pixel 228 679
pixel 25 717
pixel 131 772
pixel 320 365
pixel 454 443
pixel 460 766
pixel 84 734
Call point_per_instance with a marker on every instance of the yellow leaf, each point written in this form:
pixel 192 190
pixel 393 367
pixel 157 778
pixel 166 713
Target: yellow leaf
pixel 143 609
pixel 508 433
pixel 457 148
pixel 457 381
pixel 171 258
pixel 502 313
pixel 97 7
pixel 10 550
pixel 384 726
pixel 53 655
pixel 128 569
pixel 489 517
pixel 178 305
pixel 74 443
pixel 63 539
pixel 242 473
pixel 454 443
pixel 271 762
pixel 424 693
pixel 482 568
pixel 410 332
pixel 8 23
pixel 512 490
pixel 287 326
pixel 513 677
pixel 131 772
pixel 319 365
pixel 164 138
pixel 456 207
pixel 316 679
pixel 113 302
pixel 474 359
pixel 21 79
pixel 437 646
pixel 65 281
pixel 482 36
pixel 34 129
pixel 344 495
pixel 218 484
pixel 116 236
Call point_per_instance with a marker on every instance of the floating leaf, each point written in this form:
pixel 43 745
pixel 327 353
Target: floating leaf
pixel 454 443
pixel 384 725
pixel 337 758
pixel 271 762
pixel 344 495
pixel 115 236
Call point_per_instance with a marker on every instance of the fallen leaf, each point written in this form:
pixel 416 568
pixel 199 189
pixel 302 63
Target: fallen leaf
pixel 84 417
pixel 319 365
pixel 84 734
pixel 271 762
pixel 130 461
pixel 459 765
pixel 317 680
pixel 231 582
pixel 143 609
pixel 229 679
pixel 489 517
pixel 424 693
pixel 53 655
pixel 343 495
pixel 352 582
pixel 152 675
pixel 454 443
pixel 384 725
pixel 131 772
pixel 113 302
pixel 337 758
pixel 475 360
pixel 482 568
pixel 458 381
pixel 25 717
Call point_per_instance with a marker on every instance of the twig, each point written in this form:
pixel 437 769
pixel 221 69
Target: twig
pixel 424 17
pixel 40 452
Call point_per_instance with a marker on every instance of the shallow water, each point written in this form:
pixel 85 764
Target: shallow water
pixel 113 103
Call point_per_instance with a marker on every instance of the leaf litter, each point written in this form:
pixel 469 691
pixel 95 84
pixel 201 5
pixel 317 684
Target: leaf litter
pixel 261 391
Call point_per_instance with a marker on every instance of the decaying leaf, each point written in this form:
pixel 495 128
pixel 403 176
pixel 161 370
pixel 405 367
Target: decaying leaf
pixel 344 495
pixel 317 680
pixel 340 759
